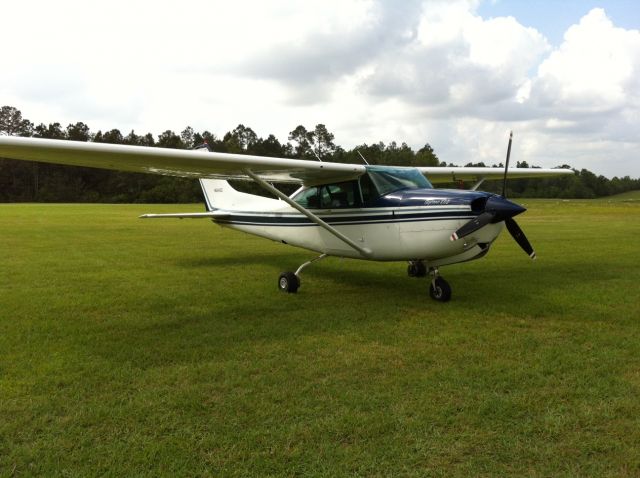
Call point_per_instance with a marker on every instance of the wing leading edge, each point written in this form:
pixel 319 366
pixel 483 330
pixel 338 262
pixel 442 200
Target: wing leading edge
pixel 175 162
pixel 205 164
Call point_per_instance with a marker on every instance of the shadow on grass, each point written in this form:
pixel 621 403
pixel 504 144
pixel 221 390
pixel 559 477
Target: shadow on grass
pixel 337 298
pixel 478 287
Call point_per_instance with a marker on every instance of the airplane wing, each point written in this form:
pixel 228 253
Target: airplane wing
pixel 175 162
pixel 453 174
pixel 205 164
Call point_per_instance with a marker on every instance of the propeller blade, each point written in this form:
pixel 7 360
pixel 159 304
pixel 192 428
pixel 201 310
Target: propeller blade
pixel 518 235
pixel 473 225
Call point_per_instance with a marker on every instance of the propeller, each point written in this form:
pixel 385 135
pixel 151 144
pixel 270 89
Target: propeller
pixel 473 225
pixel 521 239
pixel 497 209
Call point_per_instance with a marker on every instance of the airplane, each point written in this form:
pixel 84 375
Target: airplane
pixel 378 213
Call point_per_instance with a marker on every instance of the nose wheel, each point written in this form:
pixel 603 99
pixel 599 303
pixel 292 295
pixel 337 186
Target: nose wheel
pixel 439 289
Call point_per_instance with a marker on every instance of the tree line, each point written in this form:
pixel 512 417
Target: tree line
pixel 22 181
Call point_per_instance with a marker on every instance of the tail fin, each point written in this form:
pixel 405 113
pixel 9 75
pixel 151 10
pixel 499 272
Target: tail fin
pixel 219 194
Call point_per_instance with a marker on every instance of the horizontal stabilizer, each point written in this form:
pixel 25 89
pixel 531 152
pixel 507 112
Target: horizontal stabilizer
pixel 188 215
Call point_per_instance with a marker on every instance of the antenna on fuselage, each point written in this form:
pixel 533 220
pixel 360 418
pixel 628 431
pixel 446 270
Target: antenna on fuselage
pixel 365 161
pixel 506 166
pixel 316 154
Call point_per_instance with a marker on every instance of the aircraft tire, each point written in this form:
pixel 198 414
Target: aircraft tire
pixel 440 290
pixel 288 282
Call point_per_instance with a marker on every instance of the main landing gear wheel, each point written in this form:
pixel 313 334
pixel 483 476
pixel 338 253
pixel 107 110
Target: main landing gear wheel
pixel 416 269
pixel 440 290
pixel 288 282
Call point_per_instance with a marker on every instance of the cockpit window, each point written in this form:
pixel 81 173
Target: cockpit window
pixel 340 195
pixel 388 180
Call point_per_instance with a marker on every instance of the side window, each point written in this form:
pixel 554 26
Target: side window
pixel 340 195
pixel 308 198
pixel 369 191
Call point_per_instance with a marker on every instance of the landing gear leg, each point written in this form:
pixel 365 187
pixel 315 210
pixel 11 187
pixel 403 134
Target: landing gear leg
pixel 439 289
pixel 290 281
pixel 416 269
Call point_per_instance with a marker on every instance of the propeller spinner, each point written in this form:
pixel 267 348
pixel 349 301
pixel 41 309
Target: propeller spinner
pixel 497 209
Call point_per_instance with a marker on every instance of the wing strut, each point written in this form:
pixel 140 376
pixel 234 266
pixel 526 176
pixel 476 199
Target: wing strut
pixel 478 183
pixel 362 250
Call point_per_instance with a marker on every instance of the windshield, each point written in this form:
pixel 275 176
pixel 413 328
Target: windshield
pixel 388 180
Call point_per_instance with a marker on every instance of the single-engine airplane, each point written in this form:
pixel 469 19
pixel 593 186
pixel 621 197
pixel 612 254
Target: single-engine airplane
pixel 379 213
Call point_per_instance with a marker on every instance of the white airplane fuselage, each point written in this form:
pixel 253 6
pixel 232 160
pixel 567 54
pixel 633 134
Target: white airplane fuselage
pixel 391 233
pixel 388 241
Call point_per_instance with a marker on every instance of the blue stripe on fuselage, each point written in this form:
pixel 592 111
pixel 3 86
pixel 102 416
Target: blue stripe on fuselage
pixel 380 217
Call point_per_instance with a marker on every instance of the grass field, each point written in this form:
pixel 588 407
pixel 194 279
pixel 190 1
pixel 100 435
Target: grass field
pixel 163 348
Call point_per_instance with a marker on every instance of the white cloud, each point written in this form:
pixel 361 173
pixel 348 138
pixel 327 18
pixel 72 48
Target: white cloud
pixel 595 70
pixel 414 71
pixel 588 93
pixel 460 62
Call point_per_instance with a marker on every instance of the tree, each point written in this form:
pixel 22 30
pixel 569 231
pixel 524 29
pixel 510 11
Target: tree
pixel 426 157
pixel 240 140
pixel 52 131
pixel 147 140
pixel 304 139
pixel 169 139
pixel 78 132
pixel 313 144
pixel 269 147
pixel 322 142
pixel 113 136
pixel 133 139
pixel 187 137
pixel 13 124
pixel 398 155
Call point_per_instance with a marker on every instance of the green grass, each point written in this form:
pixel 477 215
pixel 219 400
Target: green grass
pixel 150 348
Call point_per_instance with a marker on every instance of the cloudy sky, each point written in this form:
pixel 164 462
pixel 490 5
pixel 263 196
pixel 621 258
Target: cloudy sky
pixel 458 74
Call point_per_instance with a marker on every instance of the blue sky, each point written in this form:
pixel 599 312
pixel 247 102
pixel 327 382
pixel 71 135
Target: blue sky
pixel 553 17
